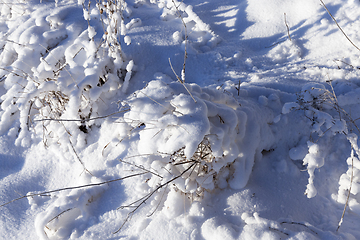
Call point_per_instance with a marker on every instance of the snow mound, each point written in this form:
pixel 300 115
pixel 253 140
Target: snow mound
pixel 289 50
pixel 67 209
pixel 203 143
pixel 196 32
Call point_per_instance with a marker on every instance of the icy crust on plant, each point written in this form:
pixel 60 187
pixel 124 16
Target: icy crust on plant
pixel 350 181
pixel 320 105
pixel 55 70
pixel 214 140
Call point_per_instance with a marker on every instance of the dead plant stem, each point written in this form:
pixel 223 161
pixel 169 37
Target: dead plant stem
pixel 338 25
pixel 71 188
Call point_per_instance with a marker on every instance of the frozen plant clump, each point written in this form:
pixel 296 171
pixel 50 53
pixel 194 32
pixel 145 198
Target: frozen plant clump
pixel 320 107
pixel 59 76
pixel 350 181
pixel 198 146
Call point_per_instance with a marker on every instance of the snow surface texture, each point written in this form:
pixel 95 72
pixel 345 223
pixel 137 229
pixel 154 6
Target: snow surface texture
pixel 255 138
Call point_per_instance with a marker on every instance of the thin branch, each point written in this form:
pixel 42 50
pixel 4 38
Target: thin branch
pixel 179 79
pixel 338 25
pixel 157 206
pixel 348 196
pixel 348 64
pixel 140 167
pixel 71 188
pixel 238 87
pixel 287 26
pixel 80 120
pixel 146 197
pixel 186 37
pixel 301 224
pixel 7 40
pixel 79 159
pixel 278 230
pixel 155 100
pixel 58 216
pixel 182 79
pixel 47 50
pixel 28 121
pixel 15 73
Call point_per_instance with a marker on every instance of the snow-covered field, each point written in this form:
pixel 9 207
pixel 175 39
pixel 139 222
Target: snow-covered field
pixel 162 119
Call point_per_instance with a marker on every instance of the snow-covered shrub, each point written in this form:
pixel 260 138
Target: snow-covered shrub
pixel 57 76
pixel 208 143
pixel 327 119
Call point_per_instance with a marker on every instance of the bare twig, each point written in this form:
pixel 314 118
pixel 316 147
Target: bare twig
pixel 301 224
pixel 17 74
pixel 7 40
pixel 182 79
pixel 348 64
pixel 71 188
pixel 28 117
pixel 349 192
pixel 147 196
pixel 79 120
pixel 47 50
pixel 182 82
pixel 279 231
pixel 154 100
pixel 77 156
pixel 287 26
pixel 338 25
pixel 157 206
pixel 238 87
pixel 140 167
pixel 58 216
pixel 186 37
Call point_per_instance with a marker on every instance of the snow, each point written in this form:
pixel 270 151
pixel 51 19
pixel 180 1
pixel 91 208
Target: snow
pixel 104 134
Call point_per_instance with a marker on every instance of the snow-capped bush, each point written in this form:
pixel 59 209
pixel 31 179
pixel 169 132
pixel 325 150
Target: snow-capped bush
pixel 57 79
pixel 203 141
pixel 327 119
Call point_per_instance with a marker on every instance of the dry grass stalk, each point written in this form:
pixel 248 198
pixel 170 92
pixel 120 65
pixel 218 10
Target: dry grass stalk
pixel 338 25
